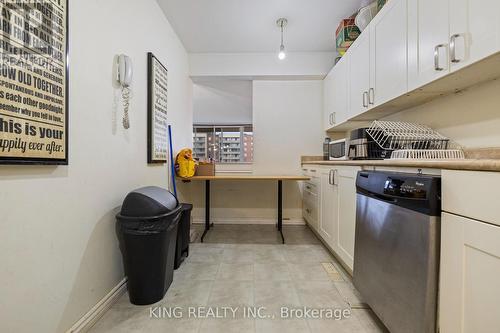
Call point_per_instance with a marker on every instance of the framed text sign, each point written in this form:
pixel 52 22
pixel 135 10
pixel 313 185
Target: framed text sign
pixel 34 82
pixel 157 111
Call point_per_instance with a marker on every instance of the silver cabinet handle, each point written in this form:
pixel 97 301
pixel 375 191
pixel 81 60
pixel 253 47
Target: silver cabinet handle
pixel 453 47
pixel 365 98
pixel 334 120
pixel 371 96
pixel 331 119
pixel 331 177
pixel 436 57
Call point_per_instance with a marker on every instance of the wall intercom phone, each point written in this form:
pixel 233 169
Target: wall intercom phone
pixel 124 78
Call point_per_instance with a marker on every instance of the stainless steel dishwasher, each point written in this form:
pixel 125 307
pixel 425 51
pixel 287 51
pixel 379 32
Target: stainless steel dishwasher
pixel 396 258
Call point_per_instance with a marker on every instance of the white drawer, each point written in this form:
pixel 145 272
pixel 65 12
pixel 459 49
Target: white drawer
pixel 311 207
pixel 311 186
pixel 310 171
pixel 472 194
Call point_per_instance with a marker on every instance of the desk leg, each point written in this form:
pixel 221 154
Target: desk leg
pixel 207 209
pixel 280 209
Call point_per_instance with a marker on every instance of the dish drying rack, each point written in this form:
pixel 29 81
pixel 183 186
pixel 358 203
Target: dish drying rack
pixel 413 141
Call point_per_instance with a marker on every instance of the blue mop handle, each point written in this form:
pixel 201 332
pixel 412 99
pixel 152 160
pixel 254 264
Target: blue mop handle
pixel 172 164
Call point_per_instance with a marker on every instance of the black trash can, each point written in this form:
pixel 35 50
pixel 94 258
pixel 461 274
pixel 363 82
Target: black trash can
pixel 183 235
pixel 147 229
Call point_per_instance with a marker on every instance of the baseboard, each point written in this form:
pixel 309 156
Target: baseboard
pixel 248 220
pixel 91 317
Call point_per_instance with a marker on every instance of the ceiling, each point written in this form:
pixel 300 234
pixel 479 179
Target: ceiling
pixel 249 26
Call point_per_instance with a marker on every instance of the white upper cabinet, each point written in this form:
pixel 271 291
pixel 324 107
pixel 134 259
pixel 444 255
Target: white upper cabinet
pixel 341 91
pixel 335 94
pixel 389 53
pixel 359 70
pixel 409 44
pixel 328 101
pixel 428 37
pixel 474 31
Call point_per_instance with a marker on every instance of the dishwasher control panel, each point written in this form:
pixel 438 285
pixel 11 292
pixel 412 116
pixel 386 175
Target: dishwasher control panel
pixel 417 192
pixel 406 188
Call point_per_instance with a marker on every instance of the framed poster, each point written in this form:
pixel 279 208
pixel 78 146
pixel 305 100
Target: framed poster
pixel 34 82
pixel 157 111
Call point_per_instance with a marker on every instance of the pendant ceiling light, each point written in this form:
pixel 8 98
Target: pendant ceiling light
pixel 281 23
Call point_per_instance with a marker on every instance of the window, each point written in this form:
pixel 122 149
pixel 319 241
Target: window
pixel 223 144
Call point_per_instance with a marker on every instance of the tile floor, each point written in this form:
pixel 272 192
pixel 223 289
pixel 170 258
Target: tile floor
pixel 245 267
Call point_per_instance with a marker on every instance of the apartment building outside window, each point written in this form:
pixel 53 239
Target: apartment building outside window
pixel 227 144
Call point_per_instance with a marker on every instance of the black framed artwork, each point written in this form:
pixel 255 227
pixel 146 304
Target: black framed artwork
pixel 157 111
pixel 34 88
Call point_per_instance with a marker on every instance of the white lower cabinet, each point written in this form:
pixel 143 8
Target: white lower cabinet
pixel 311 206
pixel 337 218
pixel 470 267
pixel 346 180
pixel 328 222
pixel 310 198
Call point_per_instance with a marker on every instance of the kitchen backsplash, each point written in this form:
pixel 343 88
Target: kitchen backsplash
pixel 470 117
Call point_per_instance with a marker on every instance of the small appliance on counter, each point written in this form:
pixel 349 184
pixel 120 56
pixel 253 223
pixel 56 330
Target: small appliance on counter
pixel 326 149
pixel 363 147
pixel 338 150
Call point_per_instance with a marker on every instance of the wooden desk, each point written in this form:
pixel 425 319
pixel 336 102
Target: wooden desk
pixel 279 179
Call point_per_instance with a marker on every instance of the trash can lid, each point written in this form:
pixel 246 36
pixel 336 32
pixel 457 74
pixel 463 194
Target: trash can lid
pixel 148 201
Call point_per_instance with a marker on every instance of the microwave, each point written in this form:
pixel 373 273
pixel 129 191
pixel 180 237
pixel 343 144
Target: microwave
pixel 338 150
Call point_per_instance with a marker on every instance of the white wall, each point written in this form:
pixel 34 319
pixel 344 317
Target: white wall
pixel 287 116
pixel 58 248
pixel 222 102
pixel 287 120
pixel 302 65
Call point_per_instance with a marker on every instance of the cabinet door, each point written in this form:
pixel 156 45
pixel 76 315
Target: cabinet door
pixel 476 28
pixel 346 179
pixel 341 91
pixel 388 49
pixel 328 103
pixel 470 267
pixel 328 223
pixel 428 36
pixel 359 72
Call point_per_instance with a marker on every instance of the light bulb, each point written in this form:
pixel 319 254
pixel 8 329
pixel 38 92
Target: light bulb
pixel 282 54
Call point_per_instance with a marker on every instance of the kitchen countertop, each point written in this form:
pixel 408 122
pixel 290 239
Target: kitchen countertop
pixel 465 164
